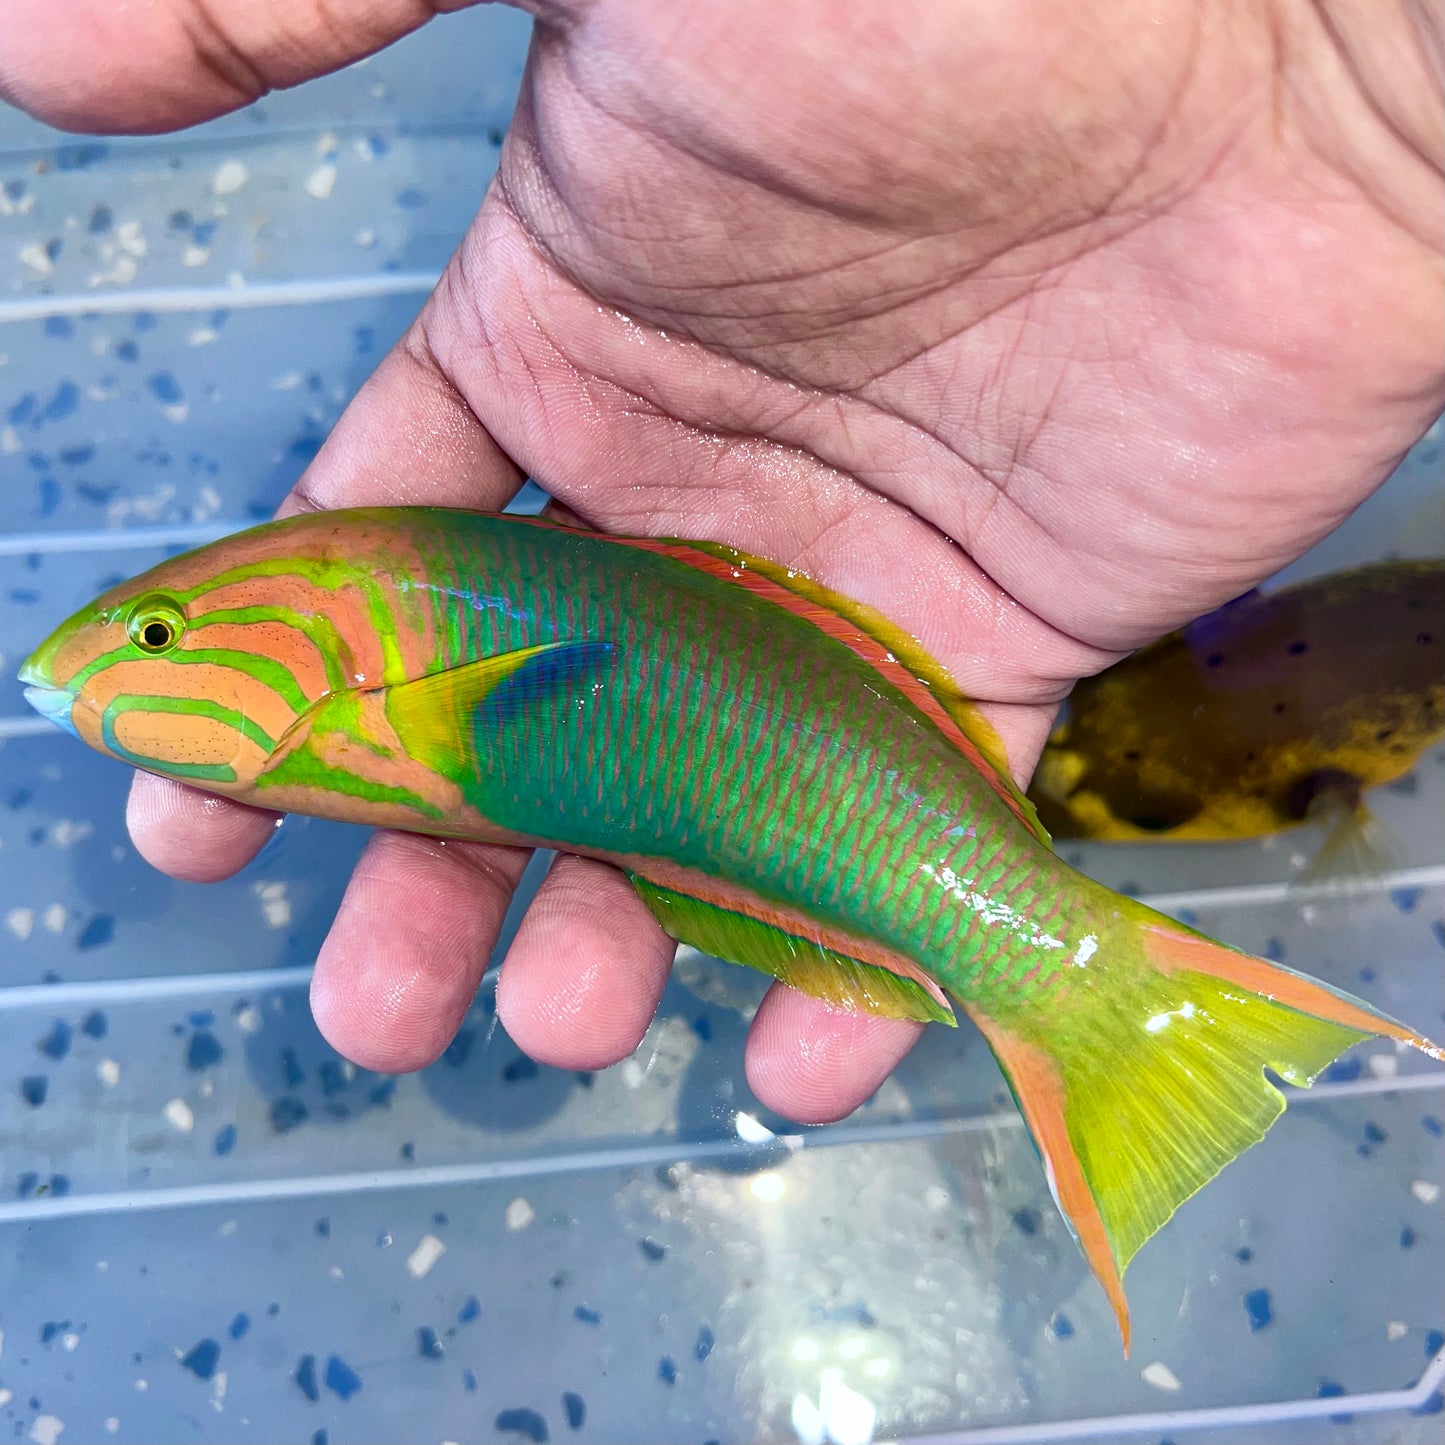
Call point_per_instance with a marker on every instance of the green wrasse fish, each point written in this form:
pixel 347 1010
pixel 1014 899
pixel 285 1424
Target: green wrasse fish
pixel 786 778
pixel 1276 710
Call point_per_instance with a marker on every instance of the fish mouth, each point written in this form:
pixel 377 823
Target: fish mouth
pixel 52 703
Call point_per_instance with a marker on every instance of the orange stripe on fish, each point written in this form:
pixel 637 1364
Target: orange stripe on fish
pixel 1039 1090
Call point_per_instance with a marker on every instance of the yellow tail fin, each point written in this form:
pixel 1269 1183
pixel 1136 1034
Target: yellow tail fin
pixel 1144 1090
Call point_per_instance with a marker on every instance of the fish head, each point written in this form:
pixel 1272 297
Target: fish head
pixel 203 667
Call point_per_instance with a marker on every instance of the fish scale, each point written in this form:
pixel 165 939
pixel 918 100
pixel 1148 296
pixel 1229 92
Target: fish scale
pixel 788 780
pixel 808 833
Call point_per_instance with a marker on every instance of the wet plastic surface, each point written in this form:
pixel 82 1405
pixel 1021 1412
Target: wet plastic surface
pixel 213 1228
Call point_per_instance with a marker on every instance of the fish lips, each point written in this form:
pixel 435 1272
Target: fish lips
pixel 52 703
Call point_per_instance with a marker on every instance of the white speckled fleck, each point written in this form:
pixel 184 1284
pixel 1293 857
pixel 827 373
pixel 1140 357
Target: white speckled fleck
pixel 229 178
pixel 179 1115
pixel 47 1429
pixel 321 182
pixel 420 1261
pixel 1425 1191
pixel 519 1214
pixel 275 906
pixel 131 238
pixel 1160 1376
pixel 70 831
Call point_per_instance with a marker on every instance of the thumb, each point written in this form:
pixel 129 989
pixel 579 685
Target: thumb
pixel 93 65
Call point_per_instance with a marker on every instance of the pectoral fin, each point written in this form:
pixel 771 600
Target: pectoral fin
pixel 437 718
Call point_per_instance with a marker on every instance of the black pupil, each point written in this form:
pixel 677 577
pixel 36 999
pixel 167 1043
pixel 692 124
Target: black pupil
pixel 156 634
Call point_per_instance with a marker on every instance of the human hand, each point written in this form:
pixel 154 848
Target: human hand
pixel 1041 329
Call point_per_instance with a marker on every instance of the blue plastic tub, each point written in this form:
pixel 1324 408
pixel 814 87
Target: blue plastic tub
pixel 213 1228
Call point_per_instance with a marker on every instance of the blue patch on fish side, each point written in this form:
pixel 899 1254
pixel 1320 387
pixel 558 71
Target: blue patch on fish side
pixel 574 1407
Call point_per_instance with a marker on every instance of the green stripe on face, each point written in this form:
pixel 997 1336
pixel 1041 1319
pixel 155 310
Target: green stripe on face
pixel 190 707
pixel 332 575
pixel 266 670
pixel 320 630
pixel 303 769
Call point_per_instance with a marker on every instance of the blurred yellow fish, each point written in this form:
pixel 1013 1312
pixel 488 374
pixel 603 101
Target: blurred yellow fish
pixel 1276 710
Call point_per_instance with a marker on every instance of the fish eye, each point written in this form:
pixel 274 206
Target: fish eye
pixel 155 625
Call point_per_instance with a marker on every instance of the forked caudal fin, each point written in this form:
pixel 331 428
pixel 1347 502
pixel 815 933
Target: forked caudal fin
pixel 1144 1094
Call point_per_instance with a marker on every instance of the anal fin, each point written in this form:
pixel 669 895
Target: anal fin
pixel 810 967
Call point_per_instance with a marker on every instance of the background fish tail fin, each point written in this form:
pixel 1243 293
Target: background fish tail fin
pixel 1355 845
pixel 1143 1083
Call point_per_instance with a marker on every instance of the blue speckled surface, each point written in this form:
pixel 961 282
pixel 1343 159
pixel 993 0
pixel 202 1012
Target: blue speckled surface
pixel 213 1228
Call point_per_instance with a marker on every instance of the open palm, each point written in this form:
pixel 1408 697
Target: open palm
pixel 1040 328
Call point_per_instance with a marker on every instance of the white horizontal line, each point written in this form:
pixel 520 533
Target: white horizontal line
pixel 1217 1417
pixel 25 727
pixel 375 1181
pixel 212 298
pixel 582 1161
pixel 1427 1078
pixel 138 990
pixel 1288 891
pixel 117 539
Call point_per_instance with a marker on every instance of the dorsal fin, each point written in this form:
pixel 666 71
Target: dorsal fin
pixel 899 658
